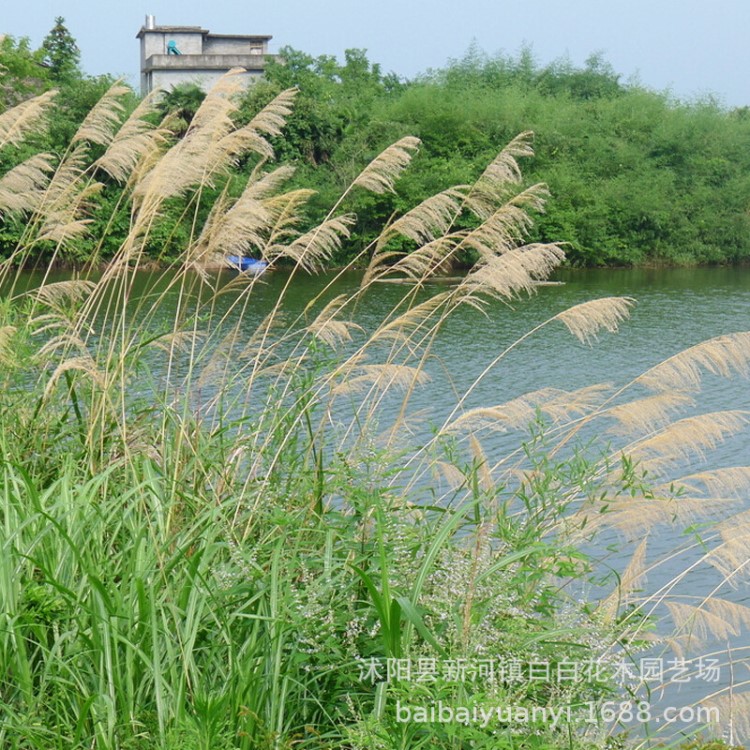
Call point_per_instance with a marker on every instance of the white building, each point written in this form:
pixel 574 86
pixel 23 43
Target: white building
pixel 171 55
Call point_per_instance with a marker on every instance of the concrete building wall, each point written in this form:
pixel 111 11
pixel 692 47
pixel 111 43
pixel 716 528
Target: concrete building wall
pixel 167 79
pixel 155 41
pixel 189 43
pixel 225 45
pixel 203 57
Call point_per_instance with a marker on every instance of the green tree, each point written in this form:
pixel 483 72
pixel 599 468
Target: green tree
pixel 22 73
pixel 61 52
pixel 182 102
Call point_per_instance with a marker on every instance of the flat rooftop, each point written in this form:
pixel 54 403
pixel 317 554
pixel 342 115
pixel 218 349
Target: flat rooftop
pixel 199 30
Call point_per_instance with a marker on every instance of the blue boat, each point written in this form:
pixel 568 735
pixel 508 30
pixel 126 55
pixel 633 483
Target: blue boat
pixel 245 264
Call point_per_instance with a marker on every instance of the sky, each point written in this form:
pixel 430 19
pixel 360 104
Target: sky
pixel 692 48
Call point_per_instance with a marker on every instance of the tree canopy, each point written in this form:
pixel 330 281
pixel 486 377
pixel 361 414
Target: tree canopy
pixel 61 52
pixel 635 176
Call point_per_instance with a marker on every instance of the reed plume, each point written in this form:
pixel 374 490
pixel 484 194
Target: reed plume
pixel 25 119
pixel 133 143
pixel 103 119
pixel 22 187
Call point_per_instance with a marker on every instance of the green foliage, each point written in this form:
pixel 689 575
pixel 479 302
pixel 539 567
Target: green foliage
pixel 637 177
pixel 22 73
pixel 335 101
pixel 73 103
pixel 181 102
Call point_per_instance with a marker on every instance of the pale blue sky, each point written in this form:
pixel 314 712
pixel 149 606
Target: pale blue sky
pixel 692 47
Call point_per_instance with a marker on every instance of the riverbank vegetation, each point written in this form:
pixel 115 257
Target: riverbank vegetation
pixel 636 176
pixel 225 530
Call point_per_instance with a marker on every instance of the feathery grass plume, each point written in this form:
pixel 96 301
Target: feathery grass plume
pixel 629 582
pixel 22 188
pixel 426 225
pixel 25 119
pixel 62 220
pixel 209 148
pixel 6 345
pixel 57 214
pixel 503 226
pixel 214 112
pixel 431 219
pixel 272 118
pixel 380 175
pixel 414 319
pixel 58 217
pixel 637 515
pixel 134 142
pixel 194 159
pixel 471 294
pixel 313 249
pixel 230 229
pixel 501 232
pixel 723 355
pixel 532 198
pixel 64 299
pixel 733 711
pixel 69 170
pixel 250 423
pixel 482 464
pixel 687 438
pixel 328 329
pixel 150 156
pixel 500 175
pixel 379 377
pixel 504 167
pixel 417 265
pixel 182 167
pixel 449 473
pixel 730 481
pixel 60 293
pixel 585 321
pixel 83 364
pixel 732 556
pixel 242 226
pixel 226 150
pixel 504 276
pixel 103 119
pixel 268 122
pixel 60 339
pixel 266 184
pixel 713 618
pixel 285 214
pixel 180 341
pixel 518 413
pixel 647 414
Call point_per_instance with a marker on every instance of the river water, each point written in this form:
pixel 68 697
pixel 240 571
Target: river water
pixel 674 309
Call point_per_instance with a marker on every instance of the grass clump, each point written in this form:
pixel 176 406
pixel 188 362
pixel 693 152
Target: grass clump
pixel 225 529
